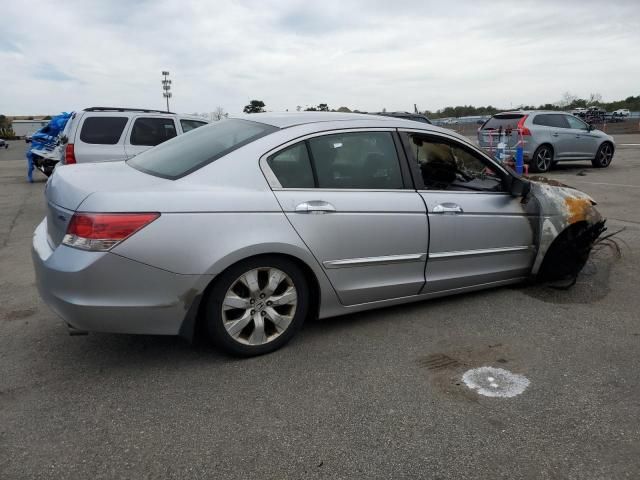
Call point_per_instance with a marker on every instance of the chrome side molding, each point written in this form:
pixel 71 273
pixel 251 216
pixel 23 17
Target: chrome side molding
pixel 373 261
pixel 482 251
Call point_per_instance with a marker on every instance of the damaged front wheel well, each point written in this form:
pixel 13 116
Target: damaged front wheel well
pixel 569 251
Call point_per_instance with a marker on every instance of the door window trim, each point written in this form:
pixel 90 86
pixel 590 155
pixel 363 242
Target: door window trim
pixel 413 162
pixel 275 185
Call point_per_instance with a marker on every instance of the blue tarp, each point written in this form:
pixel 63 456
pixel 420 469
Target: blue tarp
pixel 46 139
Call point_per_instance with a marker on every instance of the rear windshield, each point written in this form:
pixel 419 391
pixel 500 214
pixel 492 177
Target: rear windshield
pixel 187 153
pixel 506 120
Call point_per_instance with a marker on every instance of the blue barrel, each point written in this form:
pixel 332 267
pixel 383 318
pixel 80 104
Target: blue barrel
pixel 519 159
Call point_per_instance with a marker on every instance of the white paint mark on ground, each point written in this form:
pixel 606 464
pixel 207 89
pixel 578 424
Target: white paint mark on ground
pixel 606 184
pixel 495 382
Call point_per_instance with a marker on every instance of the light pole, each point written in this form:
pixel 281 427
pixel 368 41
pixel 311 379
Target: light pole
pixel 166 87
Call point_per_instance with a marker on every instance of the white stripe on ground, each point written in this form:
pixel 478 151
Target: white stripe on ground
pixel 629 144
pixel 607 184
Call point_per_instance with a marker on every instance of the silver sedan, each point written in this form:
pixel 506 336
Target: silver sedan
pixel 246 227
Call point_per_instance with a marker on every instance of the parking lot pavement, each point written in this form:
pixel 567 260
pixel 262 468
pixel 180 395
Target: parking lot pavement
pixel 372 395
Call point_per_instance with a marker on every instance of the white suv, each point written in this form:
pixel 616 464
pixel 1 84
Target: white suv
pixel 622 112
pixel 104 134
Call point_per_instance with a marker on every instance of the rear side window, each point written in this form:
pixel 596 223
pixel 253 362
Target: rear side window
pixel 188 125
pixel 542 120
pixel 504 121
pixel 560 121
pixel 551 120
pixel 187 153
pixel 152 131
pixel 366 160
pixel 102 130
pixel 292 167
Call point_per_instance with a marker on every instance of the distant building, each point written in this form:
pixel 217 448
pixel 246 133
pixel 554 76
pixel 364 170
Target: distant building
pixel 24 127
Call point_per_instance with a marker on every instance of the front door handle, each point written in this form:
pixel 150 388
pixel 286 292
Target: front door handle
pixel 315 206
pixel 448 208
pixel 555 134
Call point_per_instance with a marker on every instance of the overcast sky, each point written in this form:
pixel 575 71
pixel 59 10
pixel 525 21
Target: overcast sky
pixel 66 54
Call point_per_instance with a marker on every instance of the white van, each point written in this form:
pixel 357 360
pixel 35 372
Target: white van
pixel 105 134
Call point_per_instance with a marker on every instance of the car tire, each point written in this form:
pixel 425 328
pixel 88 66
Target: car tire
pixel 542 159
pixel 240 312
pixel 603 156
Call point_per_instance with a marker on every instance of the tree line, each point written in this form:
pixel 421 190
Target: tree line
pixel 568 101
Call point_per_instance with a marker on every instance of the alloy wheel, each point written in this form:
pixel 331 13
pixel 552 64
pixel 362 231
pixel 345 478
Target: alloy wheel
pixel 543 160
pixel 605 154
pixel 259 306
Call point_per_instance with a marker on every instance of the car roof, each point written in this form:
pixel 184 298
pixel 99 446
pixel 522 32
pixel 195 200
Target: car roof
pixel 286 119
pixel 530 112
pixel 346 120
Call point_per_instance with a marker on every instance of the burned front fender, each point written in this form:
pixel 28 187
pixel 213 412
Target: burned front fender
pixel 562 211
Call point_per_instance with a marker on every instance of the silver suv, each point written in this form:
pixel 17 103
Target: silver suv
pixel 105 134
pixel 548 138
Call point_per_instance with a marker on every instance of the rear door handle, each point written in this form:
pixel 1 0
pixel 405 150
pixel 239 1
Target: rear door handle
pixel 315 207
pixel 448 208
pixel 555 134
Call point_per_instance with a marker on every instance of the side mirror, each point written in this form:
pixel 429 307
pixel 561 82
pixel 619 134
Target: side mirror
pixel 590 127
pixel 480 122
pixel 517 186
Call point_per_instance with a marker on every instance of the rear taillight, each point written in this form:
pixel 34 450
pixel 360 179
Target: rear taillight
pixel 100 232
pixel 521 128
pixel 69 154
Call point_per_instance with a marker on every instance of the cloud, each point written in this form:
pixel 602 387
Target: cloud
pixel 365 54
pixel 47 71
pixel 6 45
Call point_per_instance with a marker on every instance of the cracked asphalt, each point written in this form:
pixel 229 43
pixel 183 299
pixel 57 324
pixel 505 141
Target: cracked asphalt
pixel 371 395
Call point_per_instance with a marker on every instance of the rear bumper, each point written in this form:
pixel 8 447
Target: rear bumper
pixel 104 292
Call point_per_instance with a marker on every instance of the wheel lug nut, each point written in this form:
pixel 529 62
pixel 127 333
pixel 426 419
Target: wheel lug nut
pixel 252 312
pixel 269 304
pixel 263 313
pixel 252 301
pixel 262 295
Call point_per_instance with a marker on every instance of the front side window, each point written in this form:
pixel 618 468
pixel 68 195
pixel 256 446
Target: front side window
pixel 446 165
pixel 188 125
pixel 152 131
pixel 575 122
pixel 102 130
pixel 187 153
